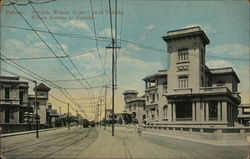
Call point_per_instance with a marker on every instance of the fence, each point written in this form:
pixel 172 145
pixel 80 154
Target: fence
pixel 213 133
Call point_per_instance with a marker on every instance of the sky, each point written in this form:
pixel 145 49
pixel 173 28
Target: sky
pixel 144 22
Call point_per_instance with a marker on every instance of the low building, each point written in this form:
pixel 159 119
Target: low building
pixel 13 100
pixel 244 114
pixel 135 106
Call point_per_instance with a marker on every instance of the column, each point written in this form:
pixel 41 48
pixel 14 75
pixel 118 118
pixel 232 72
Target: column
pixel 224 111
pixel 193 111
pixel 169 112
pixel 218 111
pixel 207 111
pixel 198 111
pixel 174 112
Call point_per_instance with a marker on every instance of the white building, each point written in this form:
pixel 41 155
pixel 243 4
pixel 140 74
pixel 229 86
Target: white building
pixel 195 94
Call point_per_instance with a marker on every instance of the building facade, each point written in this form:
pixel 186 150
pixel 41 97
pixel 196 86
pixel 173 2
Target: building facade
pixel 194 94
pixel 244 114
pixel 134 106
pixel 156 103
pixel 198 95
pixel 13 100
pixel 42 102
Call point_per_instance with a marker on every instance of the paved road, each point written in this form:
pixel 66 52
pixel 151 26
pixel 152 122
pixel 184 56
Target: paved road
pixel 97 143
pixel 61 143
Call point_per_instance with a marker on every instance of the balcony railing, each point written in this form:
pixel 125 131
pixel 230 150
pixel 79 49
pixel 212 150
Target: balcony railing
pixel 214 89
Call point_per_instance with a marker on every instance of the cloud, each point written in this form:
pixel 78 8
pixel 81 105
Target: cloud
pixel 76 24
pixel 206 27
pixel 230 49
pixel 150 27
pixel 107 33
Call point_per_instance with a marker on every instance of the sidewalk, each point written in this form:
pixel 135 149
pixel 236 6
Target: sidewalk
pixel 205 141
pixel 29 132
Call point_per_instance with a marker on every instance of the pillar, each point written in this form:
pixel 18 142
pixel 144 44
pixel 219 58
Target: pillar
pixel 219 111
pixel 224 111
pixel 207 111
pixel 169 112
pixel 174 112
pixel 193 111
pixel 198 111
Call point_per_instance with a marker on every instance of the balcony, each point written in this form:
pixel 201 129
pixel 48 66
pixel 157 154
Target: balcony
pixel 214 90
pixel 183 90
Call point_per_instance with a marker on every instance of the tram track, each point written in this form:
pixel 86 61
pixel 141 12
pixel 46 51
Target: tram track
pixel 25 146
pixel 45 141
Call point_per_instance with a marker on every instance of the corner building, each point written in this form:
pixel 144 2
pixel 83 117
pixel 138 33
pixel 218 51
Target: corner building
pixel 197 95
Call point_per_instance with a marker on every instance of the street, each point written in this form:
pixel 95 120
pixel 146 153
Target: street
pixel 98 143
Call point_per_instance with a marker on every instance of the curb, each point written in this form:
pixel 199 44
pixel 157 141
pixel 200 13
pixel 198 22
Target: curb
pixel 27 132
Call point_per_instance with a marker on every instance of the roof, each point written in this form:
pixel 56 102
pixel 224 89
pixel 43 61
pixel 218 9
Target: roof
pixel 130 92
pixel 175 34
pixel 224 71
pixel 136 99
pixel 42 87
pixel 160 74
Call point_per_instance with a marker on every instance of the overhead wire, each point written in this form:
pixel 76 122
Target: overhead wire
pixel 63 50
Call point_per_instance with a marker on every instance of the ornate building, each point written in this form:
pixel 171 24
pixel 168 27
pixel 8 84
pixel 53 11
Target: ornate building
pixel 195 94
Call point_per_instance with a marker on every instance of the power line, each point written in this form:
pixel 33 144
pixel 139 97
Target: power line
pixel 143 46
pixel 70 80
pixel 49 57
pixel 32 74
pixel 25 4
pixel 97 47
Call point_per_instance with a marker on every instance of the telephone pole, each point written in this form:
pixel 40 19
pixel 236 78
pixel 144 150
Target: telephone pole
pixel 77 117
pixel 113 83
pixel 37 135
pixel 105 101
pixel 100 112
pixel 68 118
pixel 60 110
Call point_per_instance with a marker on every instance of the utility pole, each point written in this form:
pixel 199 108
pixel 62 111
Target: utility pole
pixel 113 81
pixel 68 118
pixel 105 101
pixel 77 117
pixel 60 110
pixel 100 112
pixel 37 135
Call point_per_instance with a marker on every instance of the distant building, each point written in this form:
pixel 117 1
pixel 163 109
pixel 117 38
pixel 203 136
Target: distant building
pixel 244 114
pixel 156 103
pixel 13 100
pixel 135 106
pixel 42 102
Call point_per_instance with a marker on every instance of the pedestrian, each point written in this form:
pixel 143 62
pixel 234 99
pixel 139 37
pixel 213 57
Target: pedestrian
pixel 139 129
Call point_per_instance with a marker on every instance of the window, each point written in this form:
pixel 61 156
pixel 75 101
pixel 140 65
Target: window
pixel 165 85
pixel 165 109
pixel 246 110
pixel 213 106
pixel 202 57
pixel 202 81
pixel 153 98
pixel 183 81
pixel 147 98
pixel 7 93
pixel 182 54
pixel 144 107
pixel 157 96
